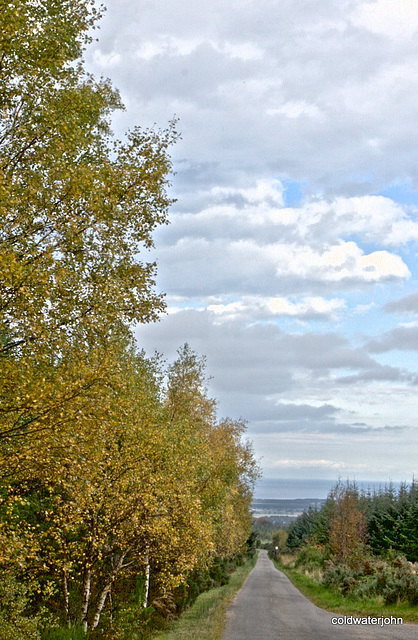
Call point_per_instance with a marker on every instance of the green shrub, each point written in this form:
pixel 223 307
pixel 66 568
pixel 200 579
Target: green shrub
pixel 340 577
pixel 393 580
pixel 310 558
pixel 16 622
pixel 134 623
pixel 366 588
pixel 401 583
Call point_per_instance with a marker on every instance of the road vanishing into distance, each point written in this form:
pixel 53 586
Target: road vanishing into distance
pixel 269 607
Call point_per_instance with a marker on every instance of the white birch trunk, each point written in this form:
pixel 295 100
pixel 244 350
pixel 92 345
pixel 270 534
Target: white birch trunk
pixel 86 600
pixel 106 590
pixel 67 600
pixel 100 604
pixel 147 580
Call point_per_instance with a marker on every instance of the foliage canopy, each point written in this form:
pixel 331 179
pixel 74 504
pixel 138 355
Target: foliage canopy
pixel 113 467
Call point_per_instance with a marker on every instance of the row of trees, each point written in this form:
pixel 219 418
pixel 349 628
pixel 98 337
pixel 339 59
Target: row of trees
pixel 112 465
pixel 353 522
pixel 362 544
pixel 139 478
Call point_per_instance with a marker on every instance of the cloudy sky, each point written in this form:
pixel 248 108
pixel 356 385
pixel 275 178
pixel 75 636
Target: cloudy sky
pixel 291 257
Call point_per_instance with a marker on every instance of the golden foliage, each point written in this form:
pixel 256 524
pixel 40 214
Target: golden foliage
pixel 109 464
pixel 348 526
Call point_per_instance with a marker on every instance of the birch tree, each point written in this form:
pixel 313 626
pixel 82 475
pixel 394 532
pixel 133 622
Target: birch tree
pixel 77 210
pixel 110 466
pixel 77 213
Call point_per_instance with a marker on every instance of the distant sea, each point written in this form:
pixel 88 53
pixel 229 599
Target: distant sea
pixel 290 489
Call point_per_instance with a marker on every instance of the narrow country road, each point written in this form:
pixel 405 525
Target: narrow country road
pixel 269 607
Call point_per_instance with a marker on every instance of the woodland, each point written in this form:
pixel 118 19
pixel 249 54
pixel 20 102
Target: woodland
pixel 122 493
pixel 362 545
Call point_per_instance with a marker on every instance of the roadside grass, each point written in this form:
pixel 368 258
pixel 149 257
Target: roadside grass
pixel 334 601
pixel 205 620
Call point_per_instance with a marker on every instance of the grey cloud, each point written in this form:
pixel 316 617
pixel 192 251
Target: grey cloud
pixel 227 227
pixel 200 267
pixel 288 413
pixel 324 351
pixel 260 358
pixel 408 304
pixel 380 373
pixel 253 367
pixel 401 338
pixel 258 213
pixel 312 53
pixel 302 427
pixel 313 427
pixel 209 266
pixel 293 90
pixel 401 427
pixel 196 77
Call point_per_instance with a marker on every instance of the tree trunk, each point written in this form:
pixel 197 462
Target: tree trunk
pixel 111 608
pixel 100 604
pixel 106 589
pixel 66 599
pixel 86 599
pixel 147 580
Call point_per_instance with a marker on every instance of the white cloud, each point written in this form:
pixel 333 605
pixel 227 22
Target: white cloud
pixel 295 109
pixel 307 306
pixel 231 310
pixel 287 385
pixel 106 60
pixel 403 337
pixel 298 101
pixel 393 18
pixel 229 62
pixel 362 309
pixel 343 262
pixel 251 243
pixel 253 308
pixel 242 50
pixel 258 212
pixel 303 464
pixel 171 46
pixel 373 218
pixel 245 267
pixel 270 190
pixel 168 46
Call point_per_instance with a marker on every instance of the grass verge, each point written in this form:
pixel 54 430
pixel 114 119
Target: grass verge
pixel 337 603
pixel 206 617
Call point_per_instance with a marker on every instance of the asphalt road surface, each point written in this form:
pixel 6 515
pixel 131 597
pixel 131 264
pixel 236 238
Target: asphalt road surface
pixel 269 607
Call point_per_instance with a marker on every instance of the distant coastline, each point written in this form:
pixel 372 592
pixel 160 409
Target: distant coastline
pixel 293 489
pixel 283 511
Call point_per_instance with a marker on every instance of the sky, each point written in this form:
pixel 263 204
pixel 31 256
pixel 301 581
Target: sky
pixel 290 260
